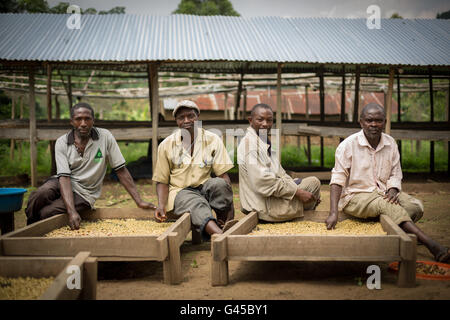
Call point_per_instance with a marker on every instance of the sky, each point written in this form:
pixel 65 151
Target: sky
pixel 284 8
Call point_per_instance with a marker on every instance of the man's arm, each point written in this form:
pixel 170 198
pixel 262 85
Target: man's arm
pixel 126 180
pixel 162 191
pixel 335 194
pixel 230 213
pixel 67 195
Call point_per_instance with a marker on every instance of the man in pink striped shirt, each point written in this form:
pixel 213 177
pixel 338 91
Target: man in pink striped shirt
pixel 366 180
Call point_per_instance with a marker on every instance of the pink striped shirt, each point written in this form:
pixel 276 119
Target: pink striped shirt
pixel 360 168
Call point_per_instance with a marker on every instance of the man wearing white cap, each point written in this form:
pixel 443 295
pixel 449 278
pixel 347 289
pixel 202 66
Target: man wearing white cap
pixel 183 170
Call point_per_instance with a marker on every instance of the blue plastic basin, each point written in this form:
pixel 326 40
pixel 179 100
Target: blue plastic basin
pixel 11 199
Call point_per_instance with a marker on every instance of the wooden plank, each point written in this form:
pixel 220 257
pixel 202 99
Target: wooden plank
pixel 320 216
pixel 32 266
pixel 172 266
pixel 279 106
pixel 89 289
pixel 324 247
pixel 116 246
pixel 118 213
pixel 41 227
pixel 144 134
pixel 322 95
pixel 356 98
pixel 181 227
pixel 219 265
pixel 388 106
pixel 153 87
pixel 343 96
pixel 59 289
pixel 32 130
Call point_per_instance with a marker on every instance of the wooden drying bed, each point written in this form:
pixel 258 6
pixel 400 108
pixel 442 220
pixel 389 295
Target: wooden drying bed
pixel 30 241
pixel 236 244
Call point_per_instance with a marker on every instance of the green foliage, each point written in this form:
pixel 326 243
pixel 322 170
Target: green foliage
pixel 443 15
pixel 396 16
pixel 41 6
pixel 206 8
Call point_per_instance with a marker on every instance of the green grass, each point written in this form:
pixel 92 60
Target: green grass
pixel 291 156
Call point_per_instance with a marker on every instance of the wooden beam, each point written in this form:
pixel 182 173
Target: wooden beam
pixel 69 91
pixel 430 81
pixel 399 109
pixel 153 89
pixel 238 97
pixel 388 106
pixel 244 112
pixel 33 131
pixel 279 127
pixel 49 92
pixel 322 95
pixel 306 103
pixel 356 102
pixel 13 116
pixel 343 95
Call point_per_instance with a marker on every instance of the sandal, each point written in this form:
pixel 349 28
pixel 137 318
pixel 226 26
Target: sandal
pixel 229 224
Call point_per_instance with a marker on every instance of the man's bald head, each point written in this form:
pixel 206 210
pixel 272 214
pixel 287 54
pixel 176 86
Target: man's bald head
pixel 372 107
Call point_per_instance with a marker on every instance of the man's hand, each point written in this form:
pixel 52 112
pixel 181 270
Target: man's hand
pixel 331 220
pixel 145 205
pixel 392 195
pixel 74 221
pixel 305 196
pixel 160 214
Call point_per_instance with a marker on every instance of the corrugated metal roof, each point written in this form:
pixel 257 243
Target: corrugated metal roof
pixel 120 38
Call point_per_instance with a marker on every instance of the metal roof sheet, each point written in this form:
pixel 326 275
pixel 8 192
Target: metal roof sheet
pixel 135 38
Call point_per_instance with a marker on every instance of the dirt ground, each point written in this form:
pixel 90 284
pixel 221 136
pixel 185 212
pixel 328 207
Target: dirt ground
pixel 270 280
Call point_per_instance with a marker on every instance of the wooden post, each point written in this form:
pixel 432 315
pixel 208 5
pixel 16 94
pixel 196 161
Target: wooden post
pixel 356 102
pixel 279 128
pixel 308 143
pixel 389 101
pixel 225 108
pixel 430 80
pixel 57 108
pixel 219 263
pixel 399 118
pixel 238 97
pixel 49 117
pixel 21 117
pixel 172 266
pixel 321 152
pixel 33 131
pixel 49 92
pixel 306 103
pixel 343 95
pixel 399 109
pixel 244 112
pixel 322 95
pixel 69 91
pixel 13 116
pixel 154 110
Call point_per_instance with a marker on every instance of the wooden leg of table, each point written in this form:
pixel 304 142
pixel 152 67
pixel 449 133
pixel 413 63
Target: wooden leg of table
pixel 407 274
pixel 90 280
pixel 7 222
pixel 219 263
pixel 219 273
pixel 172 266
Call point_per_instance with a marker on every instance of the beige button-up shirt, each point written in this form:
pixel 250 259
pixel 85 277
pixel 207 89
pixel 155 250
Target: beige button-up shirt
pixel 176 167
pixel 360 168
pixel 264 186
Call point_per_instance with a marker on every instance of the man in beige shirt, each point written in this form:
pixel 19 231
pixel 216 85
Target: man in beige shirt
pixel 366 180
pixel 264 186
pixel 184 165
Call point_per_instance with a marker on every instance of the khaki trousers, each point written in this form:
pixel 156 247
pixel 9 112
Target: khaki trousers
pixel 372 204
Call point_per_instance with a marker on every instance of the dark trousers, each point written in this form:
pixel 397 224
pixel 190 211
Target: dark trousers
pixel 215 194
pixel 46 201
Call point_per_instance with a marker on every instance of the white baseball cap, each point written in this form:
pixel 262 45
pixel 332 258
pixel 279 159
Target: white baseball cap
pixel 186 104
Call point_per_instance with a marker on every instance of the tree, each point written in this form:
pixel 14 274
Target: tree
pixel 60 8
pixel 396 16
pixel 443 15
pixel 8 6
pixel 115 10
pixel 206 8
pixel 33 6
